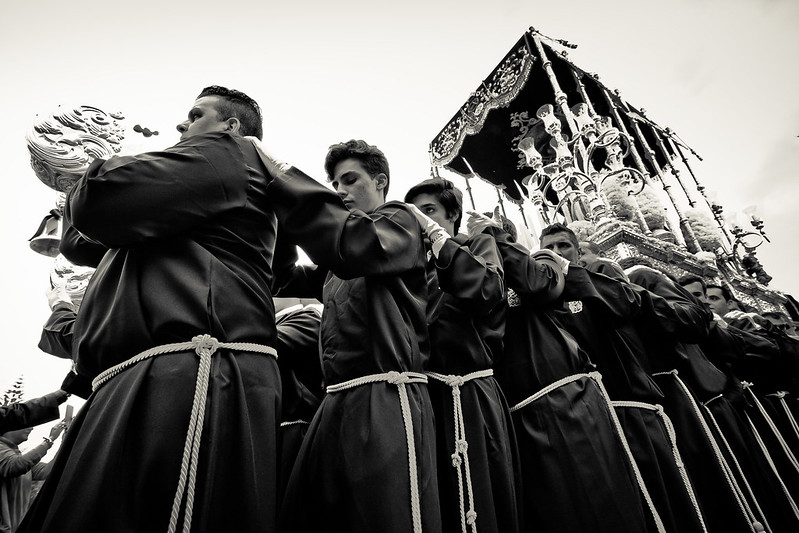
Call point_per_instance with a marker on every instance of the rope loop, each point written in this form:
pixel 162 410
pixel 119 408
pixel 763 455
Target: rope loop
pixel 462 446
pixel 471 517
pixel 396 378
pixel 456 460
pixel 205 344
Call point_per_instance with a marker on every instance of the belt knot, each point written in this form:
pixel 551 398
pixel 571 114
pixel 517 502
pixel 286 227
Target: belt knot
pixel 205 344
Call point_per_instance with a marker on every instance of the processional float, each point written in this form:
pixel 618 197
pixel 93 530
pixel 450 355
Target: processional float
pixel 62 147
pixel 562 146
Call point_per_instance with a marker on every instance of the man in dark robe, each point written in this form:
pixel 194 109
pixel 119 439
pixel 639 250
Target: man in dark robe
pixel 688 378
pixel 599 311
pixel 466 316
pixel 763 492
pixel 368 460
pixel 576 475
pixel 188 429
pixel 300 376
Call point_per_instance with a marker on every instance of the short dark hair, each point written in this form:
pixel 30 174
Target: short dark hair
pixel 557 227
pixel 592 247
pixel 687 279
pixel 239 105
pixel 372 159
pixel 726 293
pixel 447 194
pixel 507 226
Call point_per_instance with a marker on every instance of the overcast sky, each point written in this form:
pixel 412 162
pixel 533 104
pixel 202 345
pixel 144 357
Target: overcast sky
pixel 721 73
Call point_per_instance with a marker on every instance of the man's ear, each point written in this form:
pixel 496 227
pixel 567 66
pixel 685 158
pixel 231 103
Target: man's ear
pixel 233 126
pixel 381 180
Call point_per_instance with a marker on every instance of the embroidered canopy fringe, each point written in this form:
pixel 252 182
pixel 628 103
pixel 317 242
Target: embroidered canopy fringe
pixel 597 378
pixel 672 435
pixel 399 379
pixel 205 346
pixel 460 457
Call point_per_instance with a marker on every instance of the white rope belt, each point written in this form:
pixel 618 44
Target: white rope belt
pixel 205 346
pixel 780 395
pixel 294 423
pixel 460 457
pixel 672 436
pixel 740 498
pixel 772 426
pixel 770 461
pixel 597 378
pixel 399 379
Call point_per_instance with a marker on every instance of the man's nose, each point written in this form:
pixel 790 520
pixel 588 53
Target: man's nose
pixel 183 126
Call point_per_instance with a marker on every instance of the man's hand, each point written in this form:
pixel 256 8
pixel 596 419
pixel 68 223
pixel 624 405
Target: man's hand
pixel 56 430
pixel 58 294
pixel 429 225
pixel 433 229
pixel 477 223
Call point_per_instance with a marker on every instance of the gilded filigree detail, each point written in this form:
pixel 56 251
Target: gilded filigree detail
pixel 63 146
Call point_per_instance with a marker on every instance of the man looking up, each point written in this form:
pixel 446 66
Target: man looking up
pixel 177 330
pixel 466 316
pixel 368 459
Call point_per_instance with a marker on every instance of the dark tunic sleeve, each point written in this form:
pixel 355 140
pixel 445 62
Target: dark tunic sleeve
pixel 78 249
pixel 128 200
pixel 57 332
pixel 30 413
pixel 530 279
pixel 668 310
pixel 471 271
pixel 615 301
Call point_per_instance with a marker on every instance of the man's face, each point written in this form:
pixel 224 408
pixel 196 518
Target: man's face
pixel 587 257
pixel 717 302
pixel 203 118
pixel 695 288
pixel 561 244
pixel 356 187
pixel 431 206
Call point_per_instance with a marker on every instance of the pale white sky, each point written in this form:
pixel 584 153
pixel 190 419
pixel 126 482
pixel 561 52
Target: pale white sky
pixel 721 73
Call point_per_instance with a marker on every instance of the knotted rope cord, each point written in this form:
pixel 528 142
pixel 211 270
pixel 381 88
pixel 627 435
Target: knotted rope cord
pixel 672 436
pixel 755 524
pixel 205 346
pixel 772 426
pixel 780 395
pixel 772 465
pixel 597 377
pixel 399 379
pixel 743 505
pixel 546 390
pixel 460 457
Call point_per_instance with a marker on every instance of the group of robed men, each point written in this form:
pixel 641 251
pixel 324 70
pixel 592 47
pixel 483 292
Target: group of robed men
pixel 450 382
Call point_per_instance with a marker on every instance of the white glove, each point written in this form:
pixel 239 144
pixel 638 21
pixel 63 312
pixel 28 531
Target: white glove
pixel 477 222
pixel 433 229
